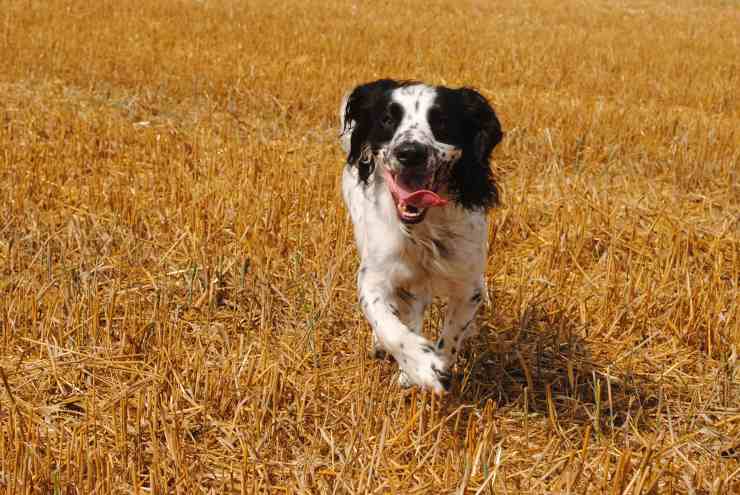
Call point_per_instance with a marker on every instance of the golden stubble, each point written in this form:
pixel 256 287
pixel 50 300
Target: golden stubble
pixel 177 296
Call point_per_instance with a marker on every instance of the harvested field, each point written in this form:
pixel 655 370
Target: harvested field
pixel 177 273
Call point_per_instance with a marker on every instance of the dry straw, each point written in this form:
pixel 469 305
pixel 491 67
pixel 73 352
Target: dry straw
pixel 177 305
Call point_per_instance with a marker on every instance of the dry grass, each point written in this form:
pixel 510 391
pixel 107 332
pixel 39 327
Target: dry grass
pixel 177 301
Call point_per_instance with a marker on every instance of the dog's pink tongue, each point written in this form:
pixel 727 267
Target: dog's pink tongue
pixel 421 198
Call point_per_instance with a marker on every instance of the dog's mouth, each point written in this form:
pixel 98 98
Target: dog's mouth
pixel 413 195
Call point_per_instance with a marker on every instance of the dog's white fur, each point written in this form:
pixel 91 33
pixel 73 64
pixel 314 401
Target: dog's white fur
pixel 404 266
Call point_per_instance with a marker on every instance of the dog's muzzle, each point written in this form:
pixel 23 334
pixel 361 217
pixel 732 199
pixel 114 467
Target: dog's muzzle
pixel 412 183
pixel 411 154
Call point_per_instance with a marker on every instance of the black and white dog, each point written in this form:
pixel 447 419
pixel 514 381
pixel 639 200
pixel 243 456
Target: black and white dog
pixel 418 186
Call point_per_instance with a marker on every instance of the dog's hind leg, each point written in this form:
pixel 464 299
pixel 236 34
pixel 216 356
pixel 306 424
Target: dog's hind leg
pixel 460 320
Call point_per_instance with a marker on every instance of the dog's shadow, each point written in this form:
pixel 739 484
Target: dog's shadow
pixel 542 365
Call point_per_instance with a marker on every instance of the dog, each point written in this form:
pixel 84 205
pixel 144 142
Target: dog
pixel 418 186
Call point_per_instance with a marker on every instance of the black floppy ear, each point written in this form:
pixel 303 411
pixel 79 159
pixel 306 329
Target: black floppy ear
pixel 472 180
pixel 357 121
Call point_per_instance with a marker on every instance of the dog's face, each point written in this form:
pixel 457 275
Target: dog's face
pixel 427 143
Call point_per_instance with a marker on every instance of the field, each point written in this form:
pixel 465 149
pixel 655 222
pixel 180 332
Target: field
pixel 177 274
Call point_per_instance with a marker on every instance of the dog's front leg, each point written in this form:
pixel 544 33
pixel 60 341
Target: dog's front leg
pixel 411 314
pixel 416 356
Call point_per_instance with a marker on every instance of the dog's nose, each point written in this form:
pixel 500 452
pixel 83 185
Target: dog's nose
pixel 411 154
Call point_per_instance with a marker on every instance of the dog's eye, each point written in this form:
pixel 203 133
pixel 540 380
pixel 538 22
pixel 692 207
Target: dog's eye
pixel 438 120
pixel 439 124
pixel 392 115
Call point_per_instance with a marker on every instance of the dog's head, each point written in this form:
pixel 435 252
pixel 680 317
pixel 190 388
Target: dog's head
pixel 429 143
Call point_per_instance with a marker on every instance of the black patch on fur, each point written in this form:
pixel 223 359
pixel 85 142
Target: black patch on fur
pixel 441 344
pixel 395 312
pixel 427 348
pixel 464 118
pixel 454 350
pixel 376 118
pixel 405 295
pixel 477 297
pixel 444 377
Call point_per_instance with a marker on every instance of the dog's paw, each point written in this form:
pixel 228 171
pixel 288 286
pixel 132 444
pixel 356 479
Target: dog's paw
pixel 427 368
pixel 377 351
pixel 404 381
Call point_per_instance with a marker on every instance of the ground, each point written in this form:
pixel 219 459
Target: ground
pixel 177 299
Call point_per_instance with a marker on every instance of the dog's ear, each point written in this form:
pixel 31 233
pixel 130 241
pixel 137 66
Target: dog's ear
pixel 472 180
pixel 356 114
